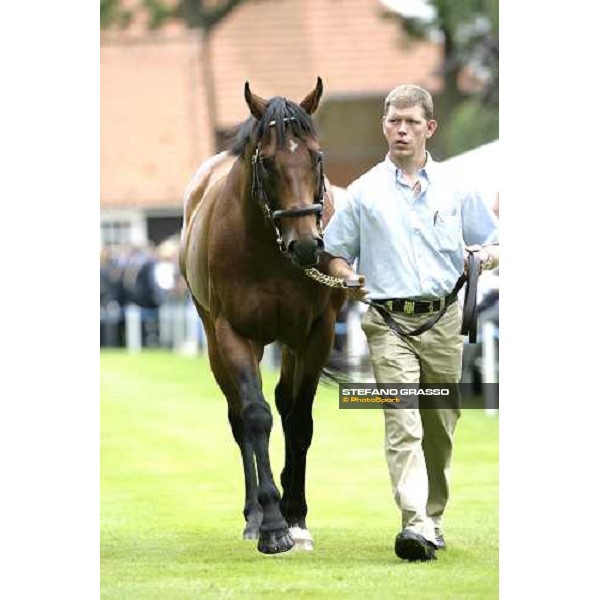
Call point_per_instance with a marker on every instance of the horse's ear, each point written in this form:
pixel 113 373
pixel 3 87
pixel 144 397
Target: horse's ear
pixel 311 102
pixel 256 104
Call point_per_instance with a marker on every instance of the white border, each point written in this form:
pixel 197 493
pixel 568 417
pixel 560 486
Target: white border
pixel 49 430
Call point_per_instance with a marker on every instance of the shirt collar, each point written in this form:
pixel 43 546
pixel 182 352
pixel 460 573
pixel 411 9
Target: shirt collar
pixel 426 171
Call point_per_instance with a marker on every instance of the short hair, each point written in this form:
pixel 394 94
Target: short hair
pixel 404 96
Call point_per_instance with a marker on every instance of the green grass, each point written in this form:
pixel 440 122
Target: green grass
pixel 172 495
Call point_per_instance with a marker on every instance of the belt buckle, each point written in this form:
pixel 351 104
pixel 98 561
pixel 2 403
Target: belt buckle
pixel 409 307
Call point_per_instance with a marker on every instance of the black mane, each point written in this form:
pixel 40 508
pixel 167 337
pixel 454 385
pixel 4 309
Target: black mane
pixel 284 113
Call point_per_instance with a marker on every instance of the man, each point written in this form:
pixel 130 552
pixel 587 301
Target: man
pixel 407 221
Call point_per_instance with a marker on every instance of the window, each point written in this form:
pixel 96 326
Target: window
pixel 161 228
pixel 115 233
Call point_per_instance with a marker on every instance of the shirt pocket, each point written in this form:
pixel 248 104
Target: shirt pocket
pixel 448 232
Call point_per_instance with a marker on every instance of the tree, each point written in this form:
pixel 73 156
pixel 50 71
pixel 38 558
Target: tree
pixel 199 15
pixel 113 14
pixel 470 35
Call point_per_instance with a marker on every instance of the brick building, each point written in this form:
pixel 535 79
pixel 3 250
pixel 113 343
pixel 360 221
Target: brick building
pixel 154 123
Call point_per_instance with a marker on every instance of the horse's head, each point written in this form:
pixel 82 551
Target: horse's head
pixel 287 172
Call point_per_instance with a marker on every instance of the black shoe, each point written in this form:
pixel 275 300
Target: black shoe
pixel 412 546
pixel 440 541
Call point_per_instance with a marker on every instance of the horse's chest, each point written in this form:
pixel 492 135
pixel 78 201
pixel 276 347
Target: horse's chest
pixel 265 316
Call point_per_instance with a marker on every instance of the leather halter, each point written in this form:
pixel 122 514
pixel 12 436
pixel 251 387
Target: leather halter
pixel 260 194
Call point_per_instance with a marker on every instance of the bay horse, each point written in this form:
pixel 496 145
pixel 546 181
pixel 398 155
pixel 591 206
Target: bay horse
pixel 252 225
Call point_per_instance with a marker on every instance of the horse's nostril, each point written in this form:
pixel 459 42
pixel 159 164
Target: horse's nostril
pixel 305 252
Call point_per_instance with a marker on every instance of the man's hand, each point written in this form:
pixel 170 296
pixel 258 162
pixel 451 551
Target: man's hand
pixel 488 258
pixel 338 267
pixel 356 287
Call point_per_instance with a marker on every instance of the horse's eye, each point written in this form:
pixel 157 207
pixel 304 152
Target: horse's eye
pixel 268 162
pixel 268 166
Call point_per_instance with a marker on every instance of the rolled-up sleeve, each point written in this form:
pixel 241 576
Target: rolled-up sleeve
pixel 342 235
pixel 479 223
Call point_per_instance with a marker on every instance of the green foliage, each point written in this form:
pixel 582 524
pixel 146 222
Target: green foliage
pixel 470 33
pixel 112 14
pixel 172 496
pixel 158 13
pixel 196 14
pixel 470 29
pixel 202 14
pixel 471 124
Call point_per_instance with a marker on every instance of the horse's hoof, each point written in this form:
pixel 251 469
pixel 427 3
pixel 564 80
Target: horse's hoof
pixel 251 533
pixel 275 542
pixel 302 539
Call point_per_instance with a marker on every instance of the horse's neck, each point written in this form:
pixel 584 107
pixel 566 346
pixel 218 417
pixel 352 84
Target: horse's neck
pixel 210 171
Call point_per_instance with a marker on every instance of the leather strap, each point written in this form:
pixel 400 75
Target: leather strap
pixel 469 324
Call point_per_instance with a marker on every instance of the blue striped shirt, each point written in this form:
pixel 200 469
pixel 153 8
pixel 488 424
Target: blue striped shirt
pixel 409 245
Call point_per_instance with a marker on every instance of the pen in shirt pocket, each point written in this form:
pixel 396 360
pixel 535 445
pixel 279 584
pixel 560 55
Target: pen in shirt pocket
pixel 435 216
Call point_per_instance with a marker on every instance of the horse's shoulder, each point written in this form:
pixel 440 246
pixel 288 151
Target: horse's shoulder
pixel 211 171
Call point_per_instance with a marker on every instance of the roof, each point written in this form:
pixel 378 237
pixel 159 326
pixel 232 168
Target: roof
pixel 153 110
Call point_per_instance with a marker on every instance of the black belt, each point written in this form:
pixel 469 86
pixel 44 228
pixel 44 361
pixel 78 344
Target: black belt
pixel 409 306
pixel 469 324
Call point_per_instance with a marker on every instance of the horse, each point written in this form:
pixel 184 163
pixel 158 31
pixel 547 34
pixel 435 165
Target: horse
pixel 253 218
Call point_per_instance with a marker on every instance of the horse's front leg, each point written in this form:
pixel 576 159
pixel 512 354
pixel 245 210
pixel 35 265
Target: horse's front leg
pixel 252 509
pixel 294 395
pixel 241 358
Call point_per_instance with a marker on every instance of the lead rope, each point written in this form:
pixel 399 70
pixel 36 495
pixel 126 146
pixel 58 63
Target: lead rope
pixel 469 324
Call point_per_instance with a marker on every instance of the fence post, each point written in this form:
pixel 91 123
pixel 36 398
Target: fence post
pixel 192 329
pixel 488 375
pixel 271 356
pixel 178 324
pixel 133 328
pixel 165 325
pixel 355 338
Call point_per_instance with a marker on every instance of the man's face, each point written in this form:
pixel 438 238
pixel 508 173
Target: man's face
pixel 406 131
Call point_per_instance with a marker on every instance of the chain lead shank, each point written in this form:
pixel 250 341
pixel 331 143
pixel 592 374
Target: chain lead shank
pixel 327 280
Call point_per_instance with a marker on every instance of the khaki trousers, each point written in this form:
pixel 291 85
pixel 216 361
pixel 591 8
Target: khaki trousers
pixel 418 442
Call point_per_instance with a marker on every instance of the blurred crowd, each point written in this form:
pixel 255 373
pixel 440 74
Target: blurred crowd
pixel 144 276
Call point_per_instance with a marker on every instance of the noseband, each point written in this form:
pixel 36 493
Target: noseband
pixel 260 194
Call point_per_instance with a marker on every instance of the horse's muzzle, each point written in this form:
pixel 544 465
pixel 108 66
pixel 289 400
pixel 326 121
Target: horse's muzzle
pixel 305 252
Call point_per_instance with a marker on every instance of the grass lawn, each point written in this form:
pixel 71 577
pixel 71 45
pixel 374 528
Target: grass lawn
pixel 172 497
